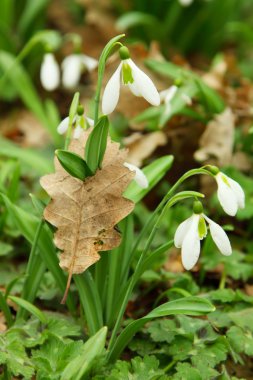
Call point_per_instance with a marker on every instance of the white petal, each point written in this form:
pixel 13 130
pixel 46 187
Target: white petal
pixel 185 3
pixel 226 196
pixel 134 89
pixel 90 121
pixel 140 177
pixel 63 126
pixel 49 72
pixel 238 191
pixel 77 132
pixel 111 92
pixel 89 62
pixel 71 70
pixel 181 232
pixel 191 245
pixel 186 98
pixel 168 95
pixel 220 237
pixel 144 84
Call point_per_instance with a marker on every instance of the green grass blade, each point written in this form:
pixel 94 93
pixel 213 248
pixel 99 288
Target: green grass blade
pixel 30 308
pixel 81 365
pixel 90 301
pixel 6 310
pixel 27 225
pixel 34 272
pixel 35 160
pixel 187 306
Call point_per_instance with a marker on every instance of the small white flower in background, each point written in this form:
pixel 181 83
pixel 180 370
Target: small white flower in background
pixel 192 230
pixel 167 96
pixel 185 3
pixel 49 72
pixel 72 67
pixel 79 123
pixel 140 177
pixel 130 75
pixel 230 194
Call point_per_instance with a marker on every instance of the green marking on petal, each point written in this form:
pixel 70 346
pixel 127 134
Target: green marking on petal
pixel 225 180
pixel 127 74
pixel 202 230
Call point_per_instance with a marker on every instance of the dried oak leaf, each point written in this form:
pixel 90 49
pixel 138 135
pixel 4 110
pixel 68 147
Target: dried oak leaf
pixel 86 212
pixel 217 141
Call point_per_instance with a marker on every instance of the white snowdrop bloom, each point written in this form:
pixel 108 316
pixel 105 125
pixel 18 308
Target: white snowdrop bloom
pixel 191 231
pixel 78 121
pixel 230 194
pixel 167 95
pixel 72 67
pixel 130 75
pixel 140 177
pixel 49 72
pixel 185 3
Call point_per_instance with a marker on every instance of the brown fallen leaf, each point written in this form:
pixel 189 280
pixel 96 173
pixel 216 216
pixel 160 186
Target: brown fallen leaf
pixel 86 212
pixel 142 146
pixel 218 139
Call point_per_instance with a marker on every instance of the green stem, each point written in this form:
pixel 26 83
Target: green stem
pixel 101 68
pixel 135 275
pixel 223 279
pixel 170 365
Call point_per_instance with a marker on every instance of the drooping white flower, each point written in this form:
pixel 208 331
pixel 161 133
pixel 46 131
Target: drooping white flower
pixel 49 72
pixel 140 177
pixel 230 194
pixel 185 3
pixel 72 67
pixel 130 75
pixel 191 231
pixel 78 123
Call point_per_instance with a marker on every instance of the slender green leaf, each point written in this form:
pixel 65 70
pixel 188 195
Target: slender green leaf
pixel 31 11
pixel 81 365
pixel 32 158
pixel 6 310
pixel 131 19
pixel 188 306
pixel 34 272
pixel 29 307
pixel 96 144
pixel 73 164
pixel 90 300
pixel 27 225
pixel 154 173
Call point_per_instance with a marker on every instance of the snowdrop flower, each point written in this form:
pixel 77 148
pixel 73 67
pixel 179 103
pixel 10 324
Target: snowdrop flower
pixel 130 75
pixel 185 3
pixel 192 230
pixel 230 194
pixel 80 122
pixel 72 67
pixel 167 96
pixel 49 72
pixel 140 177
